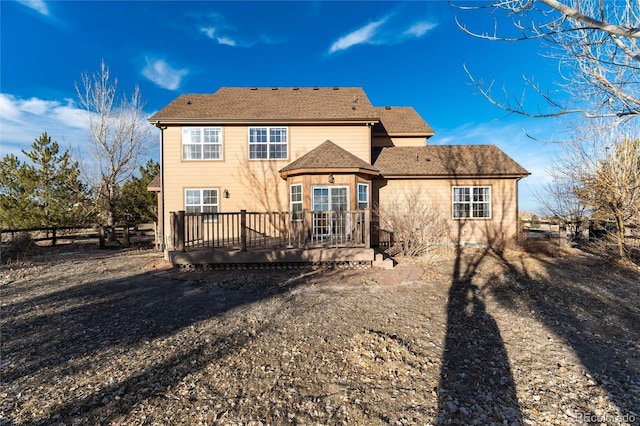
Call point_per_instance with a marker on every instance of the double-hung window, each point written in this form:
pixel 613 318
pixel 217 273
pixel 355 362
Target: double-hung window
pixel 201 200
pixel 268 143
pixel 473 202
pixel 201 143
pixel 363 196
pixel 296 201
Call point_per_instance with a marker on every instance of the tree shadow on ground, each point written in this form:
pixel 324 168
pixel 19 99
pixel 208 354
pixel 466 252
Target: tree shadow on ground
pixel 476 384
pixel 597 316
pixel 81 327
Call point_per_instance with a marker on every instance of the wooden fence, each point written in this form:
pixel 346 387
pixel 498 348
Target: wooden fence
pixel 125 235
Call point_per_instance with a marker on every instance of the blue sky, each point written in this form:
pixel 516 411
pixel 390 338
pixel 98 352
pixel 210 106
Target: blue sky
pixel 400 53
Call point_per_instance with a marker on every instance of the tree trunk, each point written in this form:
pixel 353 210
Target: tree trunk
pixel 620 235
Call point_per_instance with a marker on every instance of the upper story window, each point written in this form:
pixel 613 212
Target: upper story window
pixel 473 202
pixel 268 143
pixel 201 143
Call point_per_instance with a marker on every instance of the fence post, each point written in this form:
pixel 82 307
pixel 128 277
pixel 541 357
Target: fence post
pixel 125 236
pixel 101 236
pixel 243 230
pixel 53 237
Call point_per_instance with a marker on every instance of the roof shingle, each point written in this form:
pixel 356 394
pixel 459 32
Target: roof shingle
pixel 447 160
pixel 329 156
pixel 394 120
pixel 234 103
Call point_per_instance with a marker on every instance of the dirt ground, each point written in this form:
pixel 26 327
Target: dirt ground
pixel 468 337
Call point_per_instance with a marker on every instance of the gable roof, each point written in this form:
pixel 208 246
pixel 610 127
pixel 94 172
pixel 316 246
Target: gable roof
pixel 447 160
pixel 401 120
pixel 154 185
pixel 328 157
pixel 270 104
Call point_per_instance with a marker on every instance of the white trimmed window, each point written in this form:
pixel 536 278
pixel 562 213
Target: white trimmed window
pixel 201 143
pixel 201 200
pixel 268 143
pixel 473 202
pixel 295 197
pixel 363 196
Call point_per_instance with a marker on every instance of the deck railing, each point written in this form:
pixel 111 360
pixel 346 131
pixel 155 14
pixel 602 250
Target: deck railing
pixel 249 230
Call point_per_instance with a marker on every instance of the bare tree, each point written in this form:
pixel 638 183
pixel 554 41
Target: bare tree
pixel 417 224
pixel 560 200
pixel 607 170
pixel 595 42
pixel 119 135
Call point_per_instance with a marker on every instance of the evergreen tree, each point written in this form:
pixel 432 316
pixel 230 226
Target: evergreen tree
pixel 136 204
pixel 16 206
pixel 44 191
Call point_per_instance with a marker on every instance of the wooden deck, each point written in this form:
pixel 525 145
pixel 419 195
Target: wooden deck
pixel 330 257
pixel 341 238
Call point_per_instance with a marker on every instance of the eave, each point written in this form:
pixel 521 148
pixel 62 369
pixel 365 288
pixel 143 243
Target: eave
pixel 453 176
pixel 237 121
pixel 315 171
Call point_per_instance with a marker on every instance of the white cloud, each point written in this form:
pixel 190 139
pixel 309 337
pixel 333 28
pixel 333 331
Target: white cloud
pixel 386 31
pixel 226 41
pixel 24 120
pixel 419 29
pixel 38 5
pixel 209 31
pixel 362 35
pixel 163 74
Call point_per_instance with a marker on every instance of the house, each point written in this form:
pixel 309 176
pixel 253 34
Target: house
pixel 290 170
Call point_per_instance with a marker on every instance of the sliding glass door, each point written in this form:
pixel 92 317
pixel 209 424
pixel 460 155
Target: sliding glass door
pixel 329 206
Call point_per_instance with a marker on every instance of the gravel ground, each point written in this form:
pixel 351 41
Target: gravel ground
pixel 475 337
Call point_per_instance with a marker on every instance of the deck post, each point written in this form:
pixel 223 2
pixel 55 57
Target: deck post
pixel 243 230
pixel 304 239
pixel 177 229
pixel 367 228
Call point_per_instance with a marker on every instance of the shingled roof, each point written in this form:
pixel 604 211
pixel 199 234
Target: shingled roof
pixel 447 160
pixel 331 157
pixel 401 120
pixel 271 104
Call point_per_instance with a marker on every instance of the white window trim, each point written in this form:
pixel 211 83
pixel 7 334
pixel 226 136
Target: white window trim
pixel 268 142
pixel 471 202
pixel 201 203
pixel 202 143
pixel 291 202
pixel 366 185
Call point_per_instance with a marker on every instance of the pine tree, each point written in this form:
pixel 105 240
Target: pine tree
pixel 136 204
pixel 44 191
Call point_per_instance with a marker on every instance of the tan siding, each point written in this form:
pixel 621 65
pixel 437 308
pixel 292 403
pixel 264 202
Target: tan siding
pixel 355 139
pixel 252 184
pixel 501 227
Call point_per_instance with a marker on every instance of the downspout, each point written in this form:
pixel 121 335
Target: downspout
pixel 162 232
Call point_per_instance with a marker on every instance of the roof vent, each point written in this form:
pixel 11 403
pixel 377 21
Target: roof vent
pixel 336 88
pixel 274 88
pixel 316 88
pixel 296 88
pixel 387 108
pixel 188 102
pixel 254 88
pixel 417 159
